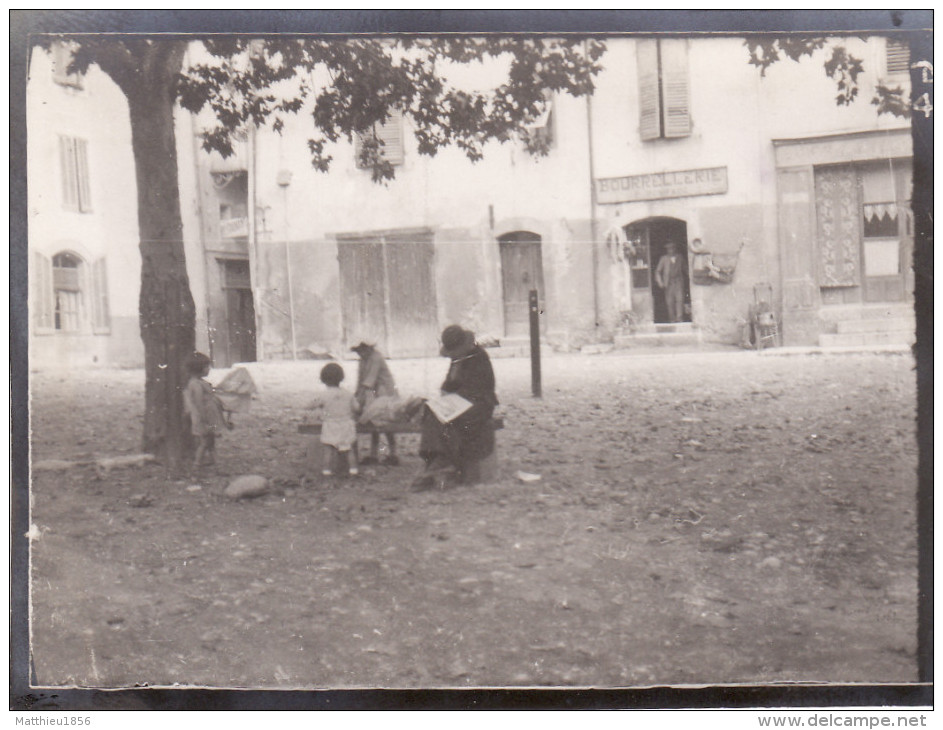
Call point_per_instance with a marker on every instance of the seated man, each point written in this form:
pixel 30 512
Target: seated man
pixel 450 448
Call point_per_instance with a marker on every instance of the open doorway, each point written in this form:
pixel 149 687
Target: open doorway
pixel 649 241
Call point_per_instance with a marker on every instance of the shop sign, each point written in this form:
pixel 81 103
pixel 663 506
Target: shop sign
pixel 653 186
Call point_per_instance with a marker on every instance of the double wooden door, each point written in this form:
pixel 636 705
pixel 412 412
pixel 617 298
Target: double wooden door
pixel 387 284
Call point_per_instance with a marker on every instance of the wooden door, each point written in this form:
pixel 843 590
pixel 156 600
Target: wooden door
pixel 521 271
pixel 241 324
pixel 640 262
pixel 362 291
pixel 240 337
pixel 413 316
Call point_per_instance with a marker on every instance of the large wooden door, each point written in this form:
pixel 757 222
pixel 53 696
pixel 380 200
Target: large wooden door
pixel 412 297
pixel 362 291
pixel 240 344
pixel 387 284
pixel 522 270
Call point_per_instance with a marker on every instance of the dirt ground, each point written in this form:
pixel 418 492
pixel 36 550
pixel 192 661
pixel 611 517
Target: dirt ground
pixel 722 517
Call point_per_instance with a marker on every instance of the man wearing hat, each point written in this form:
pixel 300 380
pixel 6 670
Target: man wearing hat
pixel 374 380
pixel 450 448
pixel 670 275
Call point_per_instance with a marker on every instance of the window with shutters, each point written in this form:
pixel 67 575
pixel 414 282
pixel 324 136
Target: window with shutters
pixel 73 158
pixel 389 136
pixel 539 134
pixel 897 58
pixel 61 58
pixel 68 295
pixel 664 96
pixel 67 291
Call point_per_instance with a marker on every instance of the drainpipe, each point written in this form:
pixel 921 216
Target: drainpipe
pixel 592 209
pixel 284 180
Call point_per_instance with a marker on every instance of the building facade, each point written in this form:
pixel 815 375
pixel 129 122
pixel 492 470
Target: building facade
pixel 84 262
pixel 772 191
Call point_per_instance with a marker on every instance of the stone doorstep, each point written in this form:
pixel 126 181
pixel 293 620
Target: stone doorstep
pixel 867 339
pixel 890 324
pixel 845 312
pixel 658 339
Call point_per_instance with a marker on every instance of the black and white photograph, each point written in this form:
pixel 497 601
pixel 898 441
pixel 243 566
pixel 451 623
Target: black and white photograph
pixel 482 360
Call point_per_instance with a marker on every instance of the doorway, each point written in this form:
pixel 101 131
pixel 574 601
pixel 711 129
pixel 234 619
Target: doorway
pixel 387 286
pixel 521 271
pixel 240 312
pixel 648 241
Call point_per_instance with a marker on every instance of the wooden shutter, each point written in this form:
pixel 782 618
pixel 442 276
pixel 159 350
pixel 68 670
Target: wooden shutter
pixel 70 193
pixel 101 319
pixel 42 294
pixel 81 175
pixel 391 134
pixel 674 85
pixel 897 57
pixel 648 93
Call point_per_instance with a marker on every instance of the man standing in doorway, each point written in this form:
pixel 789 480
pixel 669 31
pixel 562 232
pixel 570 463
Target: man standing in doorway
pixel 669 275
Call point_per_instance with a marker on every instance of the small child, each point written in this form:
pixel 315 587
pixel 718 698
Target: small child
pixel 205 410
pixel 338 409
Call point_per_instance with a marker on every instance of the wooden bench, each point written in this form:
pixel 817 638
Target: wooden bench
pixel 484 470
pixel 407 427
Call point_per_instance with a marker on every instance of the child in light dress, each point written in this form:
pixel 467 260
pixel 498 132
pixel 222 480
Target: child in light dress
pixel 338 411
pixel 207 418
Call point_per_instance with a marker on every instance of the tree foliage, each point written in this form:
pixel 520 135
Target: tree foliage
pixel 840 65
pixel 349 87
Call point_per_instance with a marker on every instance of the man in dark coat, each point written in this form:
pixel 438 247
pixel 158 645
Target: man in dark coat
pixel 669 275
pixel 449 448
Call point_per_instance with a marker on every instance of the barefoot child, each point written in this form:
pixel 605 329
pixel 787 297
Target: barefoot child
pixel 338 410
pixel 204 408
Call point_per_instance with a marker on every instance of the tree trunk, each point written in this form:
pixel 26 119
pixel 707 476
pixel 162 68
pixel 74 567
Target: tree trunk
pixel 167 315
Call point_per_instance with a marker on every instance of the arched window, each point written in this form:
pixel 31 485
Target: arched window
pixel 68 295
pixel 67 291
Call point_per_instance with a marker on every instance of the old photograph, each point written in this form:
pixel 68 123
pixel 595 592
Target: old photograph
pixel 473 360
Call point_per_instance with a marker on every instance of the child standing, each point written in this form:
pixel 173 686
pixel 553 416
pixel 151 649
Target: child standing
pixel 204 409
pixel 338 409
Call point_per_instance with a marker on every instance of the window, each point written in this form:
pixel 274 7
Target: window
pixel 897 58
pixel 663 88
pixel 538 135
pixel 390 133
pixel 73 157
pixel 60 291
pixel 61 57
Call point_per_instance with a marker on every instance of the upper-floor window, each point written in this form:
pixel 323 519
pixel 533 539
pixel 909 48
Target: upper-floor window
pixel 664 109
pixel 897 58
pixel 61 57
pixel 539 134
pixel 390 134
pixel 73 157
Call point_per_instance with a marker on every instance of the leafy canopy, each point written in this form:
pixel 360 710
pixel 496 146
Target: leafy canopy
pixel 840 65
pixel 350 86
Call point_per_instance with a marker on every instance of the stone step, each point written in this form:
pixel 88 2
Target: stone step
pixel 658 339
pixel 865 339
pixel 890 324
pixel 842 312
